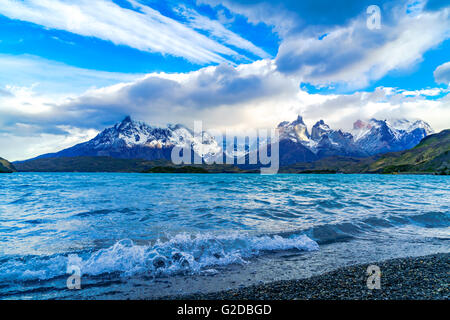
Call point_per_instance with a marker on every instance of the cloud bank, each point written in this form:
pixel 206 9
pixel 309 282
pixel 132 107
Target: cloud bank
pixel 255 95
pixel 353 56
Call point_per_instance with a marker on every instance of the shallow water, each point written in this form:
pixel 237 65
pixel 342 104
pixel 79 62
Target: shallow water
pixel 136 235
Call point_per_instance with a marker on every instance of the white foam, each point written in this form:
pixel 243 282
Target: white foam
pixel 182 253
pixel 186 253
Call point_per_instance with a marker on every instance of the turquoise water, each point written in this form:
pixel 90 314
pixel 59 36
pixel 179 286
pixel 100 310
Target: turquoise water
pixel 159 232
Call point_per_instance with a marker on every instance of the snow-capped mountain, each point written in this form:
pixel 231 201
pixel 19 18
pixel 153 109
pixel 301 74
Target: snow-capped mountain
pixel 135 139
pixel 296 131
pixel 366 138
pixel 132 139
pixel 295 143
pixel 379 136
pixel 319 129
pixel 331 142
pixel 323 140
pixel 409 126
pixel 337 143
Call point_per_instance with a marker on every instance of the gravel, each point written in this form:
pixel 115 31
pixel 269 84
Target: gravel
pixel 405 278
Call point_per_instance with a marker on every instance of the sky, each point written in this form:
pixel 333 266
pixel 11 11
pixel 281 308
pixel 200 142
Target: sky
pixel 71 68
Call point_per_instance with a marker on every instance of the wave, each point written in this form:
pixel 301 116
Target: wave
pixel 183 253
pixel 346 231
pixel 102 212
pixel 330 233
pixel 435 219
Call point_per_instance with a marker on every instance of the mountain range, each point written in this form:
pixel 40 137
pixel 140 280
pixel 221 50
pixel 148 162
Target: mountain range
pixel 365 139
pixel 132 139
pixel 431 155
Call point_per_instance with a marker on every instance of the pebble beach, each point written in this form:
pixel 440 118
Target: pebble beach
pixel 418 278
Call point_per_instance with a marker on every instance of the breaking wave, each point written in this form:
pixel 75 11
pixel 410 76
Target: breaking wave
pixel 181 254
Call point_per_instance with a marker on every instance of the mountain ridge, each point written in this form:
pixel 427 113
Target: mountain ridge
pixel 130 139
pixel 431 155
pixel 366 139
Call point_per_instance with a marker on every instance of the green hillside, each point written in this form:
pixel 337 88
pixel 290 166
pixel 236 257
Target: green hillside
pixel 431 155
pixel 6 166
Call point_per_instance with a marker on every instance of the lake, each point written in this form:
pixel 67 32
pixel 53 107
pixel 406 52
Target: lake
pixel 153 235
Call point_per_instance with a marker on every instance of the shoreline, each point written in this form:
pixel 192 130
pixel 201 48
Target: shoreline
pixel 243 172
pixel 410 278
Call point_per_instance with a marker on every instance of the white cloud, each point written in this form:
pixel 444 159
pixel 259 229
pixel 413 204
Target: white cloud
pixel 219 95
pixel 353 55
pixel 32 89
pixel 31 86
pixel 23 146
pixel 442 74
pixel 224 97
pixel 54 78
pixel 144 29
pixel 429 92
pixel 340 111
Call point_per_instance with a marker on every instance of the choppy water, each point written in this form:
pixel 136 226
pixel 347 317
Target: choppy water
pixel 136 235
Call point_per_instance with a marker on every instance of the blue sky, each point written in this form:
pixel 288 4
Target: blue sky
pixel 100 53
pixel 70 68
